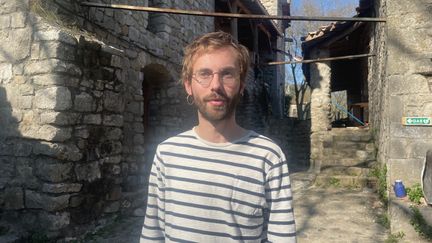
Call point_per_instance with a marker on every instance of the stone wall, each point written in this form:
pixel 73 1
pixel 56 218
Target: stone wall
pixel 73 143
pixel 408 88
pixel 86 94
pixel 377 86
pixel 294 138
pixel 320 78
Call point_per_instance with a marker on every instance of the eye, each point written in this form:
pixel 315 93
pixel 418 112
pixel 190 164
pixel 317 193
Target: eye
pixel 228 74
pixel 204 73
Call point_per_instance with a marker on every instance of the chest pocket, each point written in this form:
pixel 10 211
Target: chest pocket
pixel 248 198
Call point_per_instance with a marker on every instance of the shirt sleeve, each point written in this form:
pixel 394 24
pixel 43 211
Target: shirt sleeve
pixel 154 223
pixel 281 223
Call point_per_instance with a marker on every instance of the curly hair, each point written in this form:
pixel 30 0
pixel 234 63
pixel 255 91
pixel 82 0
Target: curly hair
pixel 209 42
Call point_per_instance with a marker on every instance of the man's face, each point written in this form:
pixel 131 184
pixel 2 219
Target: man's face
pixel 215 84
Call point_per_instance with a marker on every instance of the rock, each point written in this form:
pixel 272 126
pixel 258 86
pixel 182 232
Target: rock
pixel 5 72
pixel 7 170
pixel 46 202
pixel 76 200
pixel 54 221
pixel 114 133
pixel 113 102
pixel 84 102
pixel 61 187
pixel 5 21
pixel 95 119
pixel 112 207
pixel 49 133
pixel 18 45
pixel 58 118
pixel 13 198
pixel 88 172
pixel 24 174
pixel 55 79
pixel 54 98
pixel 55 35
pixel 115 193
pixel 18 20
pixel 58 151
pixel 112 159
pixel 51 170
pixel 26 89
pixel 52 65
pixel 113 120
pixel 139 212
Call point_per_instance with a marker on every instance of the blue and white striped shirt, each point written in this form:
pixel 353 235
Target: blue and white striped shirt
pixel 219 192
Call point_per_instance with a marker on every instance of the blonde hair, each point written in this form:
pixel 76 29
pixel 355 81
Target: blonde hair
pixel 214 41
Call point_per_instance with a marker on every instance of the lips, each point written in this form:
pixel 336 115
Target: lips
pixel 216 102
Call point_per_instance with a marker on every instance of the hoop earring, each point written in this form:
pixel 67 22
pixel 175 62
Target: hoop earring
pixel 190 100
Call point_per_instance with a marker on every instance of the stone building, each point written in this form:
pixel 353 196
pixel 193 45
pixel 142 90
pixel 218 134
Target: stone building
pixel 393 84
pixel 331 146
pixel 87 93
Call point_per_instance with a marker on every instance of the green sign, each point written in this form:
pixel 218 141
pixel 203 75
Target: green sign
pixel 417 121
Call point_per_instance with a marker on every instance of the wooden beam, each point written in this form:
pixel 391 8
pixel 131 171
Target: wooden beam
pixel 230 15
pixel 322 59
pixel 234 22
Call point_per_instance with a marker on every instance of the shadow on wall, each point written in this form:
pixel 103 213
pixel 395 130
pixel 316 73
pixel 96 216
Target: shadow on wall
pixel 59 163
pixel 22 176
pixel 165 110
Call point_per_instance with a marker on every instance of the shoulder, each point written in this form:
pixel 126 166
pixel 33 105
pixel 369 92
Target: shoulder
pixel 184 137
pixel 264 142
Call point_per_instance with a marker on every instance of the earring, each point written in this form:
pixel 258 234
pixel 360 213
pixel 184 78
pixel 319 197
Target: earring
pixel 190 100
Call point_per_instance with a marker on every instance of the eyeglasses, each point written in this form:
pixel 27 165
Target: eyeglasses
pixel 204 77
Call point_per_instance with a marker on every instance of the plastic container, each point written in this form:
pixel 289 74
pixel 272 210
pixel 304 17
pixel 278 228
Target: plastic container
pixel 399 189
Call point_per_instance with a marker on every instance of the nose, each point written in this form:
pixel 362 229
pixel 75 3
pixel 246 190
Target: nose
pixel 216 83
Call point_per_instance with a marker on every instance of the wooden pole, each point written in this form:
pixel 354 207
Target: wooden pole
pixel 322 59
pixel 230 15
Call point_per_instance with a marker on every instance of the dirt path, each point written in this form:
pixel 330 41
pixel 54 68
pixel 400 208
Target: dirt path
pixel 334 214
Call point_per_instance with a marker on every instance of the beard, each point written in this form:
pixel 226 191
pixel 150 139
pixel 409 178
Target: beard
pixel 217 113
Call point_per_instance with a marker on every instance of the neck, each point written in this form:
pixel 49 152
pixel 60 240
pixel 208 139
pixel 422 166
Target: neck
pixel 223 131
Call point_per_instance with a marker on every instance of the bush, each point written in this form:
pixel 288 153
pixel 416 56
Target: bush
pixel 415 193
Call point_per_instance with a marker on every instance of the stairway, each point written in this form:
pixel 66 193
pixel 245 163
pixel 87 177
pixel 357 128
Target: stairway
pixel 348 153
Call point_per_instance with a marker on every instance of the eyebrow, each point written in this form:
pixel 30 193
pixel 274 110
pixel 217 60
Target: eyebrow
pixel 229 68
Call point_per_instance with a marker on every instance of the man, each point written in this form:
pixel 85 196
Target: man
pixel 218 182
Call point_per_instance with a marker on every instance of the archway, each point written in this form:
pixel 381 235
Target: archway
pixel 155 84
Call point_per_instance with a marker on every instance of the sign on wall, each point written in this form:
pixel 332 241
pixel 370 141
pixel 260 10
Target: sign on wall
pixel 417 121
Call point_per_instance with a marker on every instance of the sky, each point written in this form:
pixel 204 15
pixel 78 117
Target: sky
pixel 341 8
pixel 326 5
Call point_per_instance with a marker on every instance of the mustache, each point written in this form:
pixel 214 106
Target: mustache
pixel 215 96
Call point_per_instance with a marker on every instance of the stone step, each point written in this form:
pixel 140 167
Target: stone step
pixel 343 170
pixel 346 181
pixel 347 162
pixel 350 130
pixel 353 137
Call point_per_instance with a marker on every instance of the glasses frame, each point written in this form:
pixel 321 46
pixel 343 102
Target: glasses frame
pixel 224 82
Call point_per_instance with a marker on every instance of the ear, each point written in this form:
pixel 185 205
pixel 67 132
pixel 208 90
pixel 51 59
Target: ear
pixel 188 86
pixel 242 87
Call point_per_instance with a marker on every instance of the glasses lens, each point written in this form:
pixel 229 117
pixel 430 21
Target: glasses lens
pixel 204 77
pixel 229 76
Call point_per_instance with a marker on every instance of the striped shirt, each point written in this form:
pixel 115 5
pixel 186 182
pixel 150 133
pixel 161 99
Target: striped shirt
pixel 219 192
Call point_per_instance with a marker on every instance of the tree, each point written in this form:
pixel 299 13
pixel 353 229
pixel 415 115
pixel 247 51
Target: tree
pixel 302 28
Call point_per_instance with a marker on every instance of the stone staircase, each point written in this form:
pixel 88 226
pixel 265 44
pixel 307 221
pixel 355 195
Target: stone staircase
pixel 349 153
